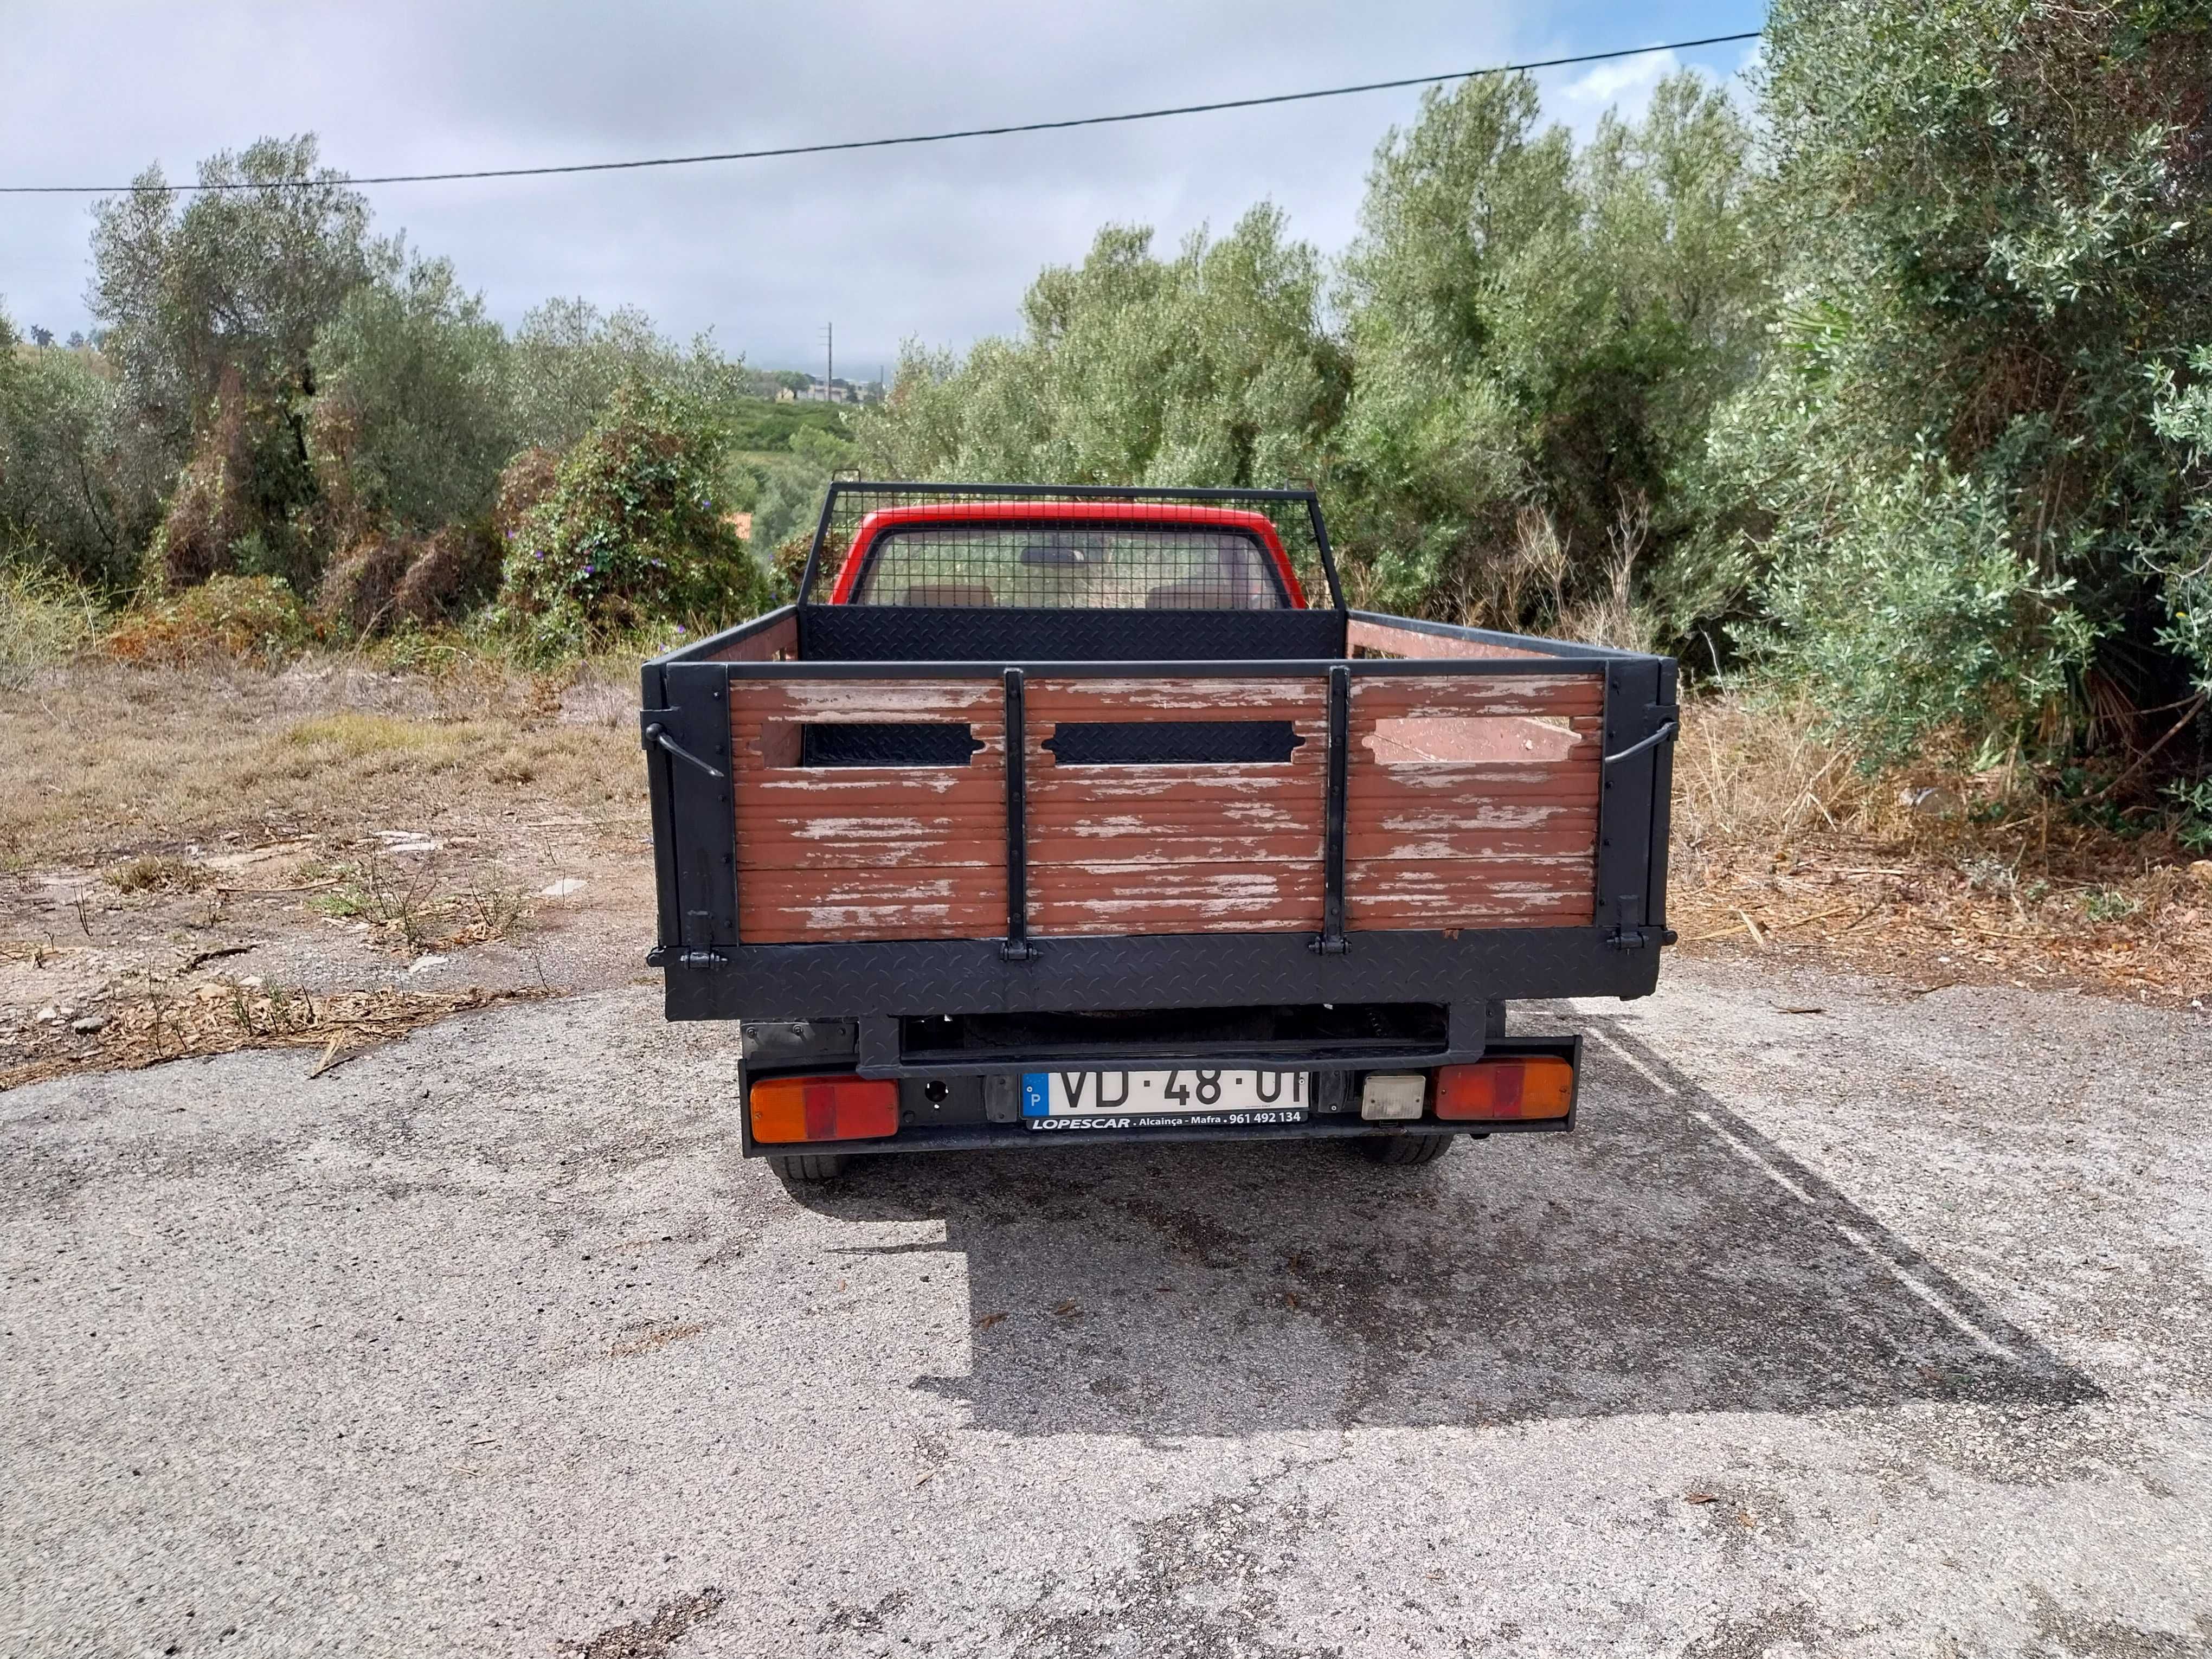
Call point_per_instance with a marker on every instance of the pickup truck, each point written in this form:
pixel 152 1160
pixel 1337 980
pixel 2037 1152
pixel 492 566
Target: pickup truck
pixel 1088 814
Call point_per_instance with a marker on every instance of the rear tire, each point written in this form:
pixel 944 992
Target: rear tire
pixel 808 1169
pixel 1403 1151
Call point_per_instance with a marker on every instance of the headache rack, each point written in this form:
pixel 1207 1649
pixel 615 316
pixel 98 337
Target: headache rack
pixel 969 806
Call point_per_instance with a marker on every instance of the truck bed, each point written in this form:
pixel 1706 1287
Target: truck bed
pixel 849 827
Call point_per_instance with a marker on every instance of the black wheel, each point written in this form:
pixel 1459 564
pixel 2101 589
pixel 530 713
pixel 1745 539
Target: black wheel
pixel 1401 1151
pixel 808 1169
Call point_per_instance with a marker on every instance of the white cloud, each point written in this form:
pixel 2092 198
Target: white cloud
pixel 1608 83
pixel 936 241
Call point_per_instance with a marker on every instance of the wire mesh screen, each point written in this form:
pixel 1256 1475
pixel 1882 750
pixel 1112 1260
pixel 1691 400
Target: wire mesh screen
pixel 1051 565
pixel 1018 546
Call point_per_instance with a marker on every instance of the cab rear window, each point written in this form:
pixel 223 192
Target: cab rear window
pixel 1070 568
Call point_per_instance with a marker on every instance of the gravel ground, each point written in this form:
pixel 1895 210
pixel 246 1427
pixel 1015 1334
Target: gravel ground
pixel 1883 1328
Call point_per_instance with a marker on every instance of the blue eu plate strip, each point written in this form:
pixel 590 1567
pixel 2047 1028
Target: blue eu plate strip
pixel 1036 1094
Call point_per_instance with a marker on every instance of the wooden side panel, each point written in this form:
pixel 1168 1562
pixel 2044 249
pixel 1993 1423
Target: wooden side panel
pixel 776 644
pixel 841 852
pixel 1179 847
pixel 1472 802
pixel 1374 639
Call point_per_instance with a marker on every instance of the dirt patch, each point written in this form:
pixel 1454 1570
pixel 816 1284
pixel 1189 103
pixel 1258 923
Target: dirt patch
pixel 360 851
pixel 649 1638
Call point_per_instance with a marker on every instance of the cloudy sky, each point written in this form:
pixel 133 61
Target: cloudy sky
pixel 936 242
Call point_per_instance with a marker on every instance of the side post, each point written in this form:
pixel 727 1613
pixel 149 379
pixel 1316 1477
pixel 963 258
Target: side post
pixel 1017 947
pixel 1331 940
pixel 702 808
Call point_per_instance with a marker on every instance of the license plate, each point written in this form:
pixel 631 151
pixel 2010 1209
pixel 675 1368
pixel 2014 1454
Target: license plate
pixel 1182 1098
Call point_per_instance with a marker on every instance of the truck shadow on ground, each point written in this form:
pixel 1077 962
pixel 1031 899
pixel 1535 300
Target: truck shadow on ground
pixel 1669 1259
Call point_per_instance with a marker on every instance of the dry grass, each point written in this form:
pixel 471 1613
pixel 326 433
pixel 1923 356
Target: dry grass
pixel 411 904
pixel 1783 842
pixel 112 761
pixel 222 1017
pixel 45 622
pixel 158 873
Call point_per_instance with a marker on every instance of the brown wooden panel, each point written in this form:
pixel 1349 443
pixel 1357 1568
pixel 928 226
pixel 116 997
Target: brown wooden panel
pixel 1447 817
pixel 1415 696
pixel 1462 737
pixel 1074 845
pixel 1170 699
pixel 1177 898
pixel 774 644
pixel 830 853
pixel 776 847
pixel 1458 843
pixel 1412 642
pixel 755 700
pixel 795 789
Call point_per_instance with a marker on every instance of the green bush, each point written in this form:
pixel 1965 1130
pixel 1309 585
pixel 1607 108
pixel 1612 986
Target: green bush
pixel 70 499
pixel 632 536
pixel 1972 479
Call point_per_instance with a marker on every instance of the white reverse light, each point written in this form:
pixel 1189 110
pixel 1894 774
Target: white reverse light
pixel 1392 1095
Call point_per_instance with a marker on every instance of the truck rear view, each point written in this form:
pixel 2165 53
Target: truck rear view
pixel 1097 814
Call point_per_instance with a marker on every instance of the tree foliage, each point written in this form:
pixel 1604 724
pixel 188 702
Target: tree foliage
pixel 1212 367
pixel 413 416
pixel 69 498
pixel 1972 456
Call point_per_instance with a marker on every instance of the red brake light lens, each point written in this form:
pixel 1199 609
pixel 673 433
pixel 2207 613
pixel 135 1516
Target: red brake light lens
pixel 801 1108
pixel 1494 1090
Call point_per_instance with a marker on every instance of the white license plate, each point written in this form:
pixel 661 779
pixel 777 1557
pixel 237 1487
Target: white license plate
pixel 1183 1098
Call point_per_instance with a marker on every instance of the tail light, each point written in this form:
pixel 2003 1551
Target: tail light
pixel 794 1109
pixel 1540 1086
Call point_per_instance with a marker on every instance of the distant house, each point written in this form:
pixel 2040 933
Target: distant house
pixel 784 394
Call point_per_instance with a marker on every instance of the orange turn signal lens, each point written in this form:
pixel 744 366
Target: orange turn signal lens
pixel 1493 1089
pixel 792 1108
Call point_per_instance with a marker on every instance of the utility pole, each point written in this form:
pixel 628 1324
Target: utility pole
pixel 829 362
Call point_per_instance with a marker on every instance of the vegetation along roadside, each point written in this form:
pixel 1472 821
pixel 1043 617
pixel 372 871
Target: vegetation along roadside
pixel 1881 395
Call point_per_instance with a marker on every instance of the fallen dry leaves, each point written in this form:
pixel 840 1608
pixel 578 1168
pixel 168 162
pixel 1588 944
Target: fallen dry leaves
pixel 1782 845
pixel 223 1017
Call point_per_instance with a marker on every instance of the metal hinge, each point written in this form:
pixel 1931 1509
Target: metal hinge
pixel 661 957
pixel 1627 935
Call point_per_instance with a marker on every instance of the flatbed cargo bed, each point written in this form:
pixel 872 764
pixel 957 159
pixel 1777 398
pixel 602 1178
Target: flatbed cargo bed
pixel 930 852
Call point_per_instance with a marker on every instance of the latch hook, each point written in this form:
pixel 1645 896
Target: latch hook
pixel 656 734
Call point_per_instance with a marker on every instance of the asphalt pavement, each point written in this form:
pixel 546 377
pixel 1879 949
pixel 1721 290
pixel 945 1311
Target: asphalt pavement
pixel 1848 1321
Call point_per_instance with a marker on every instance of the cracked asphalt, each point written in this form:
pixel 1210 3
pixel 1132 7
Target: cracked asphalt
pixel 1881 1329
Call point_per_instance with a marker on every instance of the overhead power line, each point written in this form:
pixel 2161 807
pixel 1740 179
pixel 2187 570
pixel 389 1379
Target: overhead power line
pixel 917 137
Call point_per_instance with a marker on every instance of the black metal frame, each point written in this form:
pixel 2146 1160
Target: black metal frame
pixel 712 974
pixel 1308 499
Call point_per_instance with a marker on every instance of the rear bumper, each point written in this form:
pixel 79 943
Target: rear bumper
pixel 974 1108
pixel 1168 971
